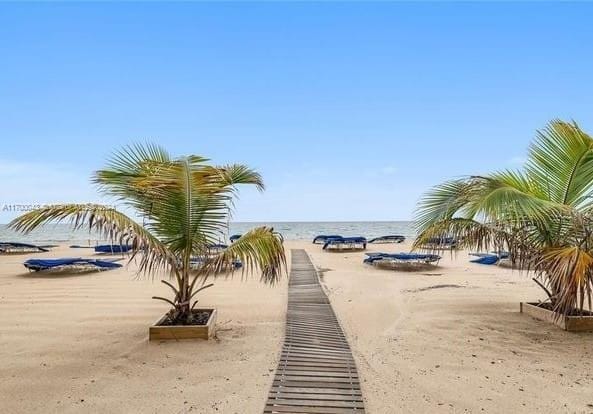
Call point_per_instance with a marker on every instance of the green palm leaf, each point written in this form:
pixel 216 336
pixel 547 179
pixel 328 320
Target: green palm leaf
pixel 541 215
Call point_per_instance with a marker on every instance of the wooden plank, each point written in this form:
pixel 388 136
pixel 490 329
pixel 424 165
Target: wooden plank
pixel 311 410
pixel 319 403
pixel 316 373
pixel 312 391
pixel 318 396
pixel 290 383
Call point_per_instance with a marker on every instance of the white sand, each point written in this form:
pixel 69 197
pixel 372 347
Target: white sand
pixel 79 343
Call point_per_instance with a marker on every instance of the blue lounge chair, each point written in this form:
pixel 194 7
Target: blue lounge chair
pixel 441 243
pixel 235 237
pixel 113 248
pixel 13 247
pixel 322 238
pixel 345 243
pixel 388 239
pixel 75 264
pixel 403 260
pixel 489 258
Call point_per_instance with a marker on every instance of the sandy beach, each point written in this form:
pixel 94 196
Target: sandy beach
pixel 448 340
pixel 208 137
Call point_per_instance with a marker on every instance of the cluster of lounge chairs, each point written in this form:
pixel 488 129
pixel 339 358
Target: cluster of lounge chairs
pixel 63 264
pixel 340 243
pixel 85 265
pixel 402 261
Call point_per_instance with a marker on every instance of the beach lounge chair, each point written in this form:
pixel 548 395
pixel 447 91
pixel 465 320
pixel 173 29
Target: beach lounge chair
pixel 403 261
pixel 112 248
pixel 16 248
pixel 485 258
pixel 387 239
pixel 322 238
pixel 489 258
pixel 345 243
pixel 235 237
pixel 72 264
pixel 440 243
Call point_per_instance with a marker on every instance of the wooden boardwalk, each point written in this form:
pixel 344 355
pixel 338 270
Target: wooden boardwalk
pixel 316 372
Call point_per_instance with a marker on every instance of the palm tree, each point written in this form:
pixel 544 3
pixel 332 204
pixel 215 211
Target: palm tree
pixel 541 214
pixel 185 204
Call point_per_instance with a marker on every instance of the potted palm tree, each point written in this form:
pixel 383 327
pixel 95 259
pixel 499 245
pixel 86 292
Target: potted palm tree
pixel 541 214
pixel 185 205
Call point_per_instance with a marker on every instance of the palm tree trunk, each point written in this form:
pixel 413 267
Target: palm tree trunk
pixel 185 313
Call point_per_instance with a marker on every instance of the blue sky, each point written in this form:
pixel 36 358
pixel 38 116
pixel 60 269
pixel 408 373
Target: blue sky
pixel 349 110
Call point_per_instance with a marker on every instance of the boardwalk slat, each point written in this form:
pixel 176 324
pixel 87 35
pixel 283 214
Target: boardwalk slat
pixel 311 410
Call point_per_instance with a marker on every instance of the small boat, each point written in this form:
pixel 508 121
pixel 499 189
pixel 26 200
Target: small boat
pixel 387 239
pixel 17 248
pixel 345 243
pixel 322 238
pixel 70 264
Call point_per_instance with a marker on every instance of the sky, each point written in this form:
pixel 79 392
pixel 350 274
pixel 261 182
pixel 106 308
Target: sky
pixel 350 111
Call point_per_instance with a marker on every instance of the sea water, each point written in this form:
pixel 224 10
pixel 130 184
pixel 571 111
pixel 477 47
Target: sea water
pixel 62 233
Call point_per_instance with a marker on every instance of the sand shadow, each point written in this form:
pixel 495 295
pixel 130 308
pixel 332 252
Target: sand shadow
pixel 55 275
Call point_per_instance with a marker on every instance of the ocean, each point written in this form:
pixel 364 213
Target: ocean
pixel 62 233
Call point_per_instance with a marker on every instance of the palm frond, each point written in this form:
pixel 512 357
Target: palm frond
pixel 260 249
pixel 234 174
pixel 561 159
pixel 443 202
pixel 569 274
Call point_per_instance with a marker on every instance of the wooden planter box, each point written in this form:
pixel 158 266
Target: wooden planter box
pixel 158 332
pixel 568 323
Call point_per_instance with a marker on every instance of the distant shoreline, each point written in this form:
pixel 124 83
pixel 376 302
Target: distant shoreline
pixel 297 231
